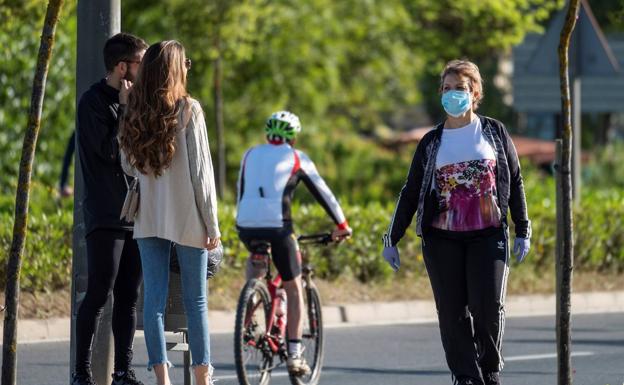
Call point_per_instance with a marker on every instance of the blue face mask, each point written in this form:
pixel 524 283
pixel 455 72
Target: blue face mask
pixel 456 103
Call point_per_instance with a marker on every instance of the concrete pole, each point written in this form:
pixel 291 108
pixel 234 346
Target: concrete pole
pixel 97 21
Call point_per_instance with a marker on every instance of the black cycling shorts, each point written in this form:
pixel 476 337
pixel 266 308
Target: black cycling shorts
pixel 284 248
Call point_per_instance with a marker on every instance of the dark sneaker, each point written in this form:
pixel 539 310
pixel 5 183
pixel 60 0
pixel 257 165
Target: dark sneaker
pixel 81 379
pixel 467 381
pixel 128 378
pixel 492 378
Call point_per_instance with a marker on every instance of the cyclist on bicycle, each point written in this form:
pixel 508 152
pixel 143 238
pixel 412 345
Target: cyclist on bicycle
pixel 268 176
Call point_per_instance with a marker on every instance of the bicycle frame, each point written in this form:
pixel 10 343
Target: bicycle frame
pixel 275 340
pixel 276 330
pixel 274 333
pixel 260 343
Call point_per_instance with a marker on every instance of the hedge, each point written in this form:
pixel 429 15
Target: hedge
pixel 599 239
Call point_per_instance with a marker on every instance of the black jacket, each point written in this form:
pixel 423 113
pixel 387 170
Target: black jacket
pixel 104 183
pixel 417 196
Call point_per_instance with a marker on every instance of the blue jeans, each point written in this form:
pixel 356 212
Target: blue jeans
pixel 193 264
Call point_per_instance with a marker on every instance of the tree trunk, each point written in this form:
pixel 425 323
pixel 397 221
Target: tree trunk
pixel 218 106
pixel 9 342
pixel 565 241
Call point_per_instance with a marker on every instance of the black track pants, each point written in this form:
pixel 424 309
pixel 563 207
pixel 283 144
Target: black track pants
pixel 468 274
pixel 114 265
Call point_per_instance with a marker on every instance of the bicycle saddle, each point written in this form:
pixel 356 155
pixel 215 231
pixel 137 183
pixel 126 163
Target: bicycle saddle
pixel 259 246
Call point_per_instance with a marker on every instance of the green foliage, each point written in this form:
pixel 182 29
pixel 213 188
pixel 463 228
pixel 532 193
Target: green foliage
pixel 599 238
pixel 609 14
pixel 20 24
pixel 356 168
pixel 342 66
pixel 358 258
pixel 481 31
pixel 605 167
pixel 475 28
pixel 47 255
pixel 599 241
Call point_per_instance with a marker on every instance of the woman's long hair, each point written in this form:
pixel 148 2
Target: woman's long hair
pixel 148 130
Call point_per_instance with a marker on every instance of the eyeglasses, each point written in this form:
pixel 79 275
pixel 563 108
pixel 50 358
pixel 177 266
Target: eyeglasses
pixel 187 63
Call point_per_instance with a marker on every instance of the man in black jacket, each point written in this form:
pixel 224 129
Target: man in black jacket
pixel 113 258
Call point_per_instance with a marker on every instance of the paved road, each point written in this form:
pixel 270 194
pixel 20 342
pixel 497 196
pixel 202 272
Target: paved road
pixel 396 354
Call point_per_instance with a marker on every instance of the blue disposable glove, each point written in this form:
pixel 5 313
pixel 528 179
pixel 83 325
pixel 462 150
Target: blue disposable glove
pixel 391 255
pixel 521 248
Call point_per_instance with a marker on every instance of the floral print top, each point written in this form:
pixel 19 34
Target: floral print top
pixel 465 181
pixel 467 196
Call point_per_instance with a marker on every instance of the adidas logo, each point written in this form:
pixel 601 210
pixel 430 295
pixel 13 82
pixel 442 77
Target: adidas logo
pixel 501 245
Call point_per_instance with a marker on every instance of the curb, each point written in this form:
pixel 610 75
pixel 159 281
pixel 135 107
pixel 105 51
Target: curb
pixel 360 314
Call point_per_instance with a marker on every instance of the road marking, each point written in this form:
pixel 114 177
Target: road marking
pixel 530 357
pixel 414 321
pixel 234 377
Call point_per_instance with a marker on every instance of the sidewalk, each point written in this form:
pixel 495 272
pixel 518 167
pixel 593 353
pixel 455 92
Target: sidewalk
pixel 367 314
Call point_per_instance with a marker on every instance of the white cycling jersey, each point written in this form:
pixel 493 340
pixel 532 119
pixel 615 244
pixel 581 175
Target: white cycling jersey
pixel 267 179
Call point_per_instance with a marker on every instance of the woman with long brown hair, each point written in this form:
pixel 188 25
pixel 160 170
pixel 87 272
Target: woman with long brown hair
pixel 163 137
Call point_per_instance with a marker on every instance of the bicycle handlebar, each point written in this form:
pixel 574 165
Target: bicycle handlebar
pixel 322 238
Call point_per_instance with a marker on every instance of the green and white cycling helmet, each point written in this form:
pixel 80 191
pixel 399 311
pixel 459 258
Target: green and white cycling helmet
pixel 282 125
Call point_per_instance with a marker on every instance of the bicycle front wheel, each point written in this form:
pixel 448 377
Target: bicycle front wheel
pixel 312 339
pixel 252 355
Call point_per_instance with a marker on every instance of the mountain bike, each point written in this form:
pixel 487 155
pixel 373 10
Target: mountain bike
pixel 260 340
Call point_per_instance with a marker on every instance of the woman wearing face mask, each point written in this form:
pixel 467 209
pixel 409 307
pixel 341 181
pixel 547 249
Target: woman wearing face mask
pixel 463 180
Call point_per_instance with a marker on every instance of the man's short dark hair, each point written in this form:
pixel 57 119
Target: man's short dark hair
pixel 120 47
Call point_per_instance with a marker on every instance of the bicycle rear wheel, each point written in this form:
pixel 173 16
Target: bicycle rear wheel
pixel 312 339
pixel 252 355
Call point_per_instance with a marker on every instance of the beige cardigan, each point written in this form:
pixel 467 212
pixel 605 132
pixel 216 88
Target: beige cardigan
pixel 181 204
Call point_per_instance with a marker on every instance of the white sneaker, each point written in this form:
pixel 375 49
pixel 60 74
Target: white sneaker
pixel 212 380
pixel 297 366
